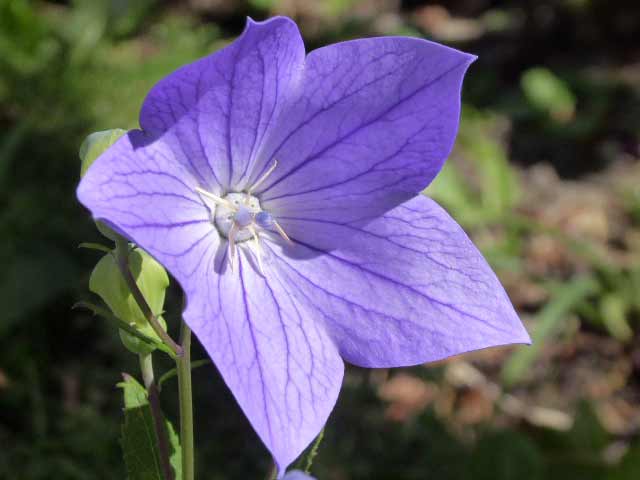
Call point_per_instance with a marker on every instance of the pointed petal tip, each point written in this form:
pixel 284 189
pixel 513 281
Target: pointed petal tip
pixel 517 336
pixel 518 332
pixel 524 338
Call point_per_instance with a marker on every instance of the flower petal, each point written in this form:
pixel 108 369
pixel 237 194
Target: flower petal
pixel 372 127
pixel 216 111
pixel 282 367
pixel 404 289
pixel 139 188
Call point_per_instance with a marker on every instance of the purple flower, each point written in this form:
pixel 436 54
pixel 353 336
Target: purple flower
pixel 283 192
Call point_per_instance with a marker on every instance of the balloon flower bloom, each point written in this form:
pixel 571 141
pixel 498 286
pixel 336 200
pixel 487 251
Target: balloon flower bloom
pixel 283 192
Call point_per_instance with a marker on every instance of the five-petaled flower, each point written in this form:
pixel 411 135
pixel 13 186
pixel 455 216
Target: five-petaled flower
pixel 282 191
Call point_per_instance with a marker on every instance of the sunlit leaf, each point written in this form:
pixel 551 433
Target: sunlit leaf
pixel 548 93
pixel 106 281
pixel 613 310
pixel 96 143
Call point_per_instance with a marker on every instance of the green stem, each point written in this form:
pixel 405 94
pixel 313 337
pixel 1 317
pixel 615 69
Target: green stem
pixel 122 256
pixel 183 367
pixel 146 367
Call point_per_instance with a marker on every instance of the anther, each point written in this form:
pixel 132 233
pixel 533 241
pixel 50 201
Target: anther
pixel 264 219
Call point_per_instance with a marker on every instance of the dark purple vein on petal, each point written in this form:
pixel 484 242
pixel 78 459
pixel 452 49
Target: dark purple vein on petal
pixel 360 127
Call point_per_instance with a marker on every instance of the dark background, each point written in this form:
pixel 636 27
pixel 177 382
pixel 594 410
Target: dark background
pixel 545 177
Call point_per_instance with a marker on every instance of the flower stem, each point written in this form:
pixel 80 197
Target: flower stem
pixel 122 257
pixel 146 367
pixel 183 367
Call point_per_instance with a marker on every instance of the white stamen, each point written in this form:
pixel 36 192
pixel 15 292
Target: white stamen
pixel 263 177
pixel 218 200
pixel 281 231
pixel 239 217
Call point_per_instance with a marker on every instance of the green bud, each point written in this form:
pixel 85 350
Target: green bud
pixel 92 147
pixel 137 346
pixel 106 231
pixel 152 279
pixel 95 144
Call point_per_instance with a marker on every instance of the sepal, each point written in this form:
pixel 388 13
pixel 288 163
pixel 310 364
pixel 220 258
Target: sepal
pixel 106 281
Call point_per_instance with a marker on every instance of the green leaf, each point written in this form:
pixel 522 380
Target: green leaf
pixel 95 246
pixel 613 310
pixel 479 186
pixel 139 439
pixel 450 189
pixel 95 144
pixel 124 326
pixel 135 395
pixel 107 282
pixel 176 452
pixel 548 93
pixel 152 279
pixel 499 185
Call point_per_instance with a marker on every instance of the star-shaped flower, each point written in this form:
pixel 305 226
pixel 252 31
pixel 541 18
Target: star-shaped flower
pixel 282 191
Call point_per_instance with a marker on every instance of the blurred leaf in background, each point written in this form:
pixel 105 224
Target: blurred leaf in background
pixel 547 93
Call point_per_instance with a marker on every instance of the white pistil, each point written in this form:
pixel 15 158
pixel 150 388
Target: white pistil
pixel 239 217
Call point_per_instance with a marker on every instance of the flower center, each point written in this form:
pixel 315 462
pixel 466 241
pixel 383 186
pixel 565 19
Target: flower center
pixel 238 217
pixel 239 209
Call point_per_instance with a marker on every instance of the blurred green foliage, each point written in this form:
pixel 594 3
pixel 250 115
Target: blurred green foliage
pixel 69 68
pixel 549 94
